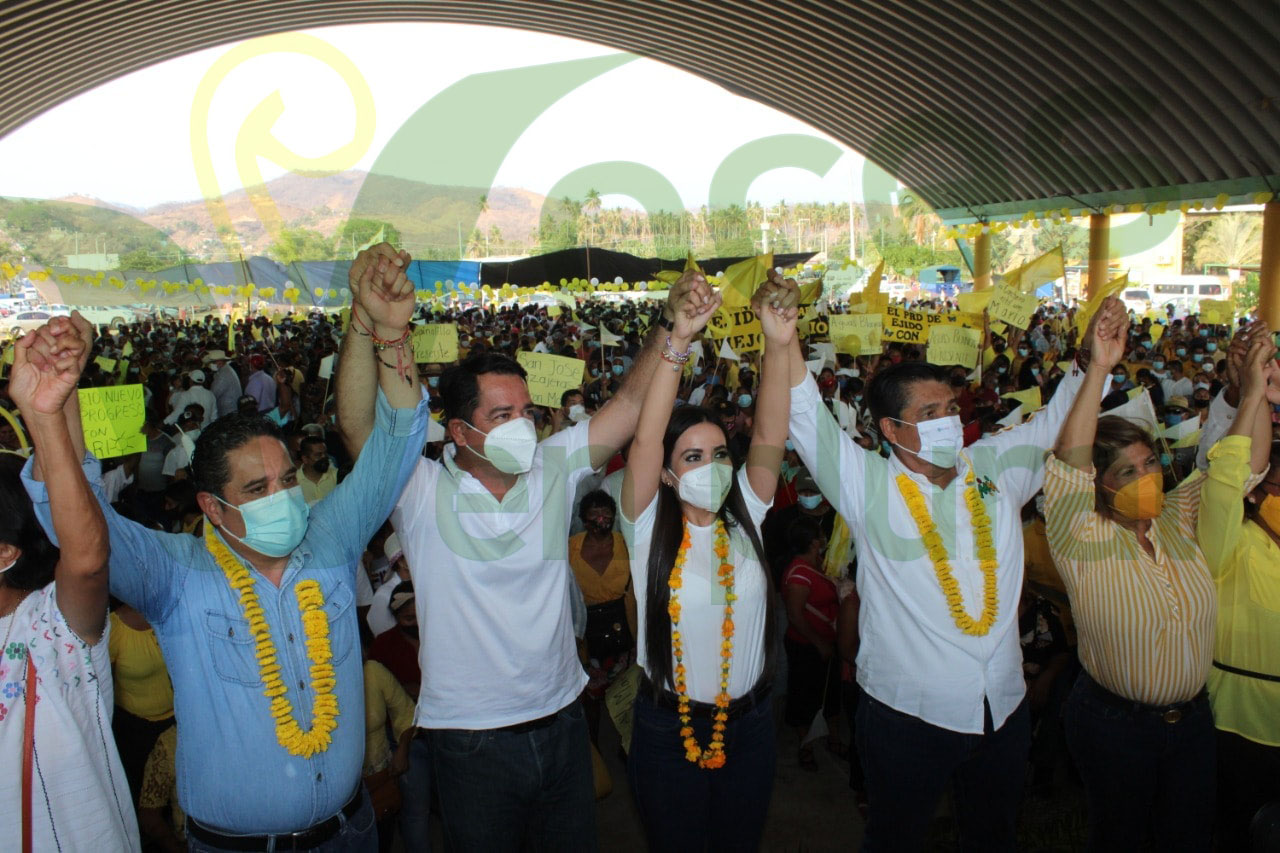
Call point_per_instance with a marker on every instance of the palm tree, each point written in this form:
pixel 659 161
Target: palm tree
pixel 592 202
pixel 917 216
pixel 1234 239
pixel 484 204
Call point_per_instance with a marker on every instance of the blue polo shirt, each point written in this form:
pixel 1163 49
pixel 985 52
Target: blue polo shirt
pixel 232 773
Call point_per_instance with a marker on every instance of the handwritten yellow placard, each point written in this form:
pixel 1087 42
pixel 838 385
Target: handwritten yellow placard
pixel 967 319
pixel 128 349
pixel 739 326
pixel 1217 312
pixel 550 376
pixel 435 343
pixel 112 420
pixel 1012 306
pixel 903 326
pixel 106 365
pixel 974 302
pixel 856 334
pixel 954 345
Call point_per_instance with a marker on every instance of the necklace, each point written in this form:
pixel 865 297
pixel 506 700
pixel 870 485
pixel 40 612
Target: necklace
pixel 315 624
pixel 713 757
pixel 941 561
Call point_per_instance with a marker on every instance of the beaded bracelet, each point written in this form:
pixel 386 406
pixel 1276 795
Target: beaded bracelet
pixel 677 357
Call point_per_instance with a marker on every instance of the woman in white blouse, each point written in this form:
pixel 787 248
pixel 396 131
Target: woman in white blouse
pixel 702 751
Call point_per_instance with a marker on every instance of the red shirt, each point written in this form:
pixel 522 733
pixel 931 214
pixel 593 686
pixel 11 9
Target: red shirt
pixel 822 606
pixel 394 650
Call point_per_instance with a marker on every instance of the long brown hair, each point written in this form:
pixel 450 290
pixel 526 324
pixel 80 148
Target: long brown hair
pixel 668 530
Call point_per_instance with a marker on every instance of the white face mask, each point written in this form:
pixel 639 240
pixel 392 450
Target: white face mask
pixel 509 447
pixel 577 413
pixel 940 440
pixel 706 486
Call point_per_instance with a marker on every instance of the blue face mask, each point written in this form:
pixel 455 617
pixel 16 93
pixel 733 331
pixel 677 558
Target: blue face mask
pixel 273 525
pixel 1173 418
pixel 433 381
pixel 790 445
pixel 1035 371
pixel 744 400
pixel 1000 370
pixel 884 446
pixel 618 369
pixel 1158 364
pixel 1165 460
pixel 1146 344
pixel 1204 333
pixel 1197 358
pixel 1211 346
pixel 809 501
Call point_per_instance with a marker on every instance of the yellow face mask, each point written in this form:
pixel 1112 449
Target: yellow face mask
pixel 1269 512
pixel 1141 498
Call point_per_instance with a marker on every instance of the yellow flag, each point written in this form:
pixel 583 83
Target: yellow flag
pixel 1096 299
pixel 231 337
pixel 873 282
pixel 742 279
pixel 1029 398
pixel 838 555
pixel 672 276
pixel 1038 271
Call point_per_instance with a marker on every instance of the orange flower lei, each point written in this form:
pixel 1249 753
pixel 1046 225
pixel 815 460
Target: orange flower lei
pixel 713 757
pixel 941 563
pixel 315 624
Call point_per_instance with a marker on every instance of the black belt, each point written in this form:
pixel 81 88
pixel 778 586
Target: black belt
pixel 304 840
pixel 1169 713
pixel 1261 676
pixel 530 726
pixel 666 699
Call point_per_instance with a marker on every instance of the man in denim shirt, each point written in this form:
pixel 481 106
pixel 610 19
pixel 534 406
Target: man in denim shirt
pixel 241 788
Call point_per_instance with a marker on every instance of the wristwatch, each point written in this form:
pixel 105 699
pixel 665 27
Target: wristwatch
pixel 669 325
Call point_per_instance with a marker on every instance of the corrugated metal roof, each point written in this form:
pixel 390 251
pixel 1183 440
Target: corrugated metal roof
pixel 984 107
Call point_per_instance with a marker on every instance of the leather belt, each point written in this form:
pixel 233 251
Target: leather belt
pixel 306 839
pixel 666 699
pixel 1261 676
pixel 529 726
pixel 1169 713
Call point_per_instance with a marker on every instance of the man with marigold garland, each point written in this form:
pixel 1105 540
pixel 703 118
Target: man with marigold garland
pixel 939 547
pixel 257 619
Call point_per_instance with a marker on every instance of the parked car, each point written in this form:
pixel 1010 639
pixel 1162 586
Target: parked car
pixel 27 321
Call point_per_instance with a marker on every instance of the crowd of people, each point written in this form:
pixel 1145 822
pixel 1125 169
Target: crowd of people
pixel 985 602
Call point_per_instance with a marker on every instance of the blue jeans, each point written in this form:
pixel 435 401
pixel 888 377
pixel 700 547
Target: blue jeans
pixel 357 835
pixel 907 764
pixel 1141 774
pixel 501 790
pixel 415 793
pixel 684 807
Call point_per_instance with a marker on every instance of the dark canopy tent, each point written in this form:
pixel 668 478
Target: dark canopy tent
pixel 602 264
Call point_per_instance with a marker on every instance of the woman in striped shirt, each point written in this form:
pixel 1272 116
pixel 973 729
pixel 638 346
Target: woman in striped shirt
pixel 1138 720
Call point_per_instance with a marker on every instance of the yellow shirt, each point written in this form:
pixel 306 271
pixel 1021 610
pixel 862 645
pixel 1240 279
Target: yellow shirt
pixel 313 491
pixel 384 701
pixel 142 684
pixel 160 780
pixel 1245 562
pixel 598 588
pixel 1043 576
pixel 1145 625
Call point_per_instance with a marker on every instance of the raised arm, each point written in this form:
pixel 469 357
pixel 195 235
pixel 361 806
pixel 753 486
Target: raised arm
pixel 46 369
pixel 1075 442
pixel 645 460
pixel 617 421
pixel 775 305
pixel 1253 417
pixel 376 278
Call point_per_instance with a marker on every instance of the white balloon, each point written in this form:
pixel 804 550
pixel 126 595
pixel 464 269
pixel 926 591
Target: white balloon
pixel 594 281
pixel 617 279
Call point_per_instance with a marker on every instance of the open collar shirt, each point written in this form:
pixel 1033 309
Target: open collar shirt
pixel 233 775
pixel 912 656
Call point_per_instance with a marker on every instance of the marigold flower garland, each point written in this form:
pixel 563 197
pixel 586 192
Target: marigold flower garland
pixel 941 562
pixel 713 757
pixel 315 624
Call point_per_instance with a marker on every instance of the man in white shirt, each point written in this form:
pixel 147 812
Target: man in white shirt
pixel 195 392
pixel 940 674
pixel 1176 384
pixel 485 531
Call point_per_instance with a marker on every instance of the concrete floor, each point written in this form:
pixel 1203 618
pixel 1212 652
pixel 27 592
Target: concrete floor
pixel 811 812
